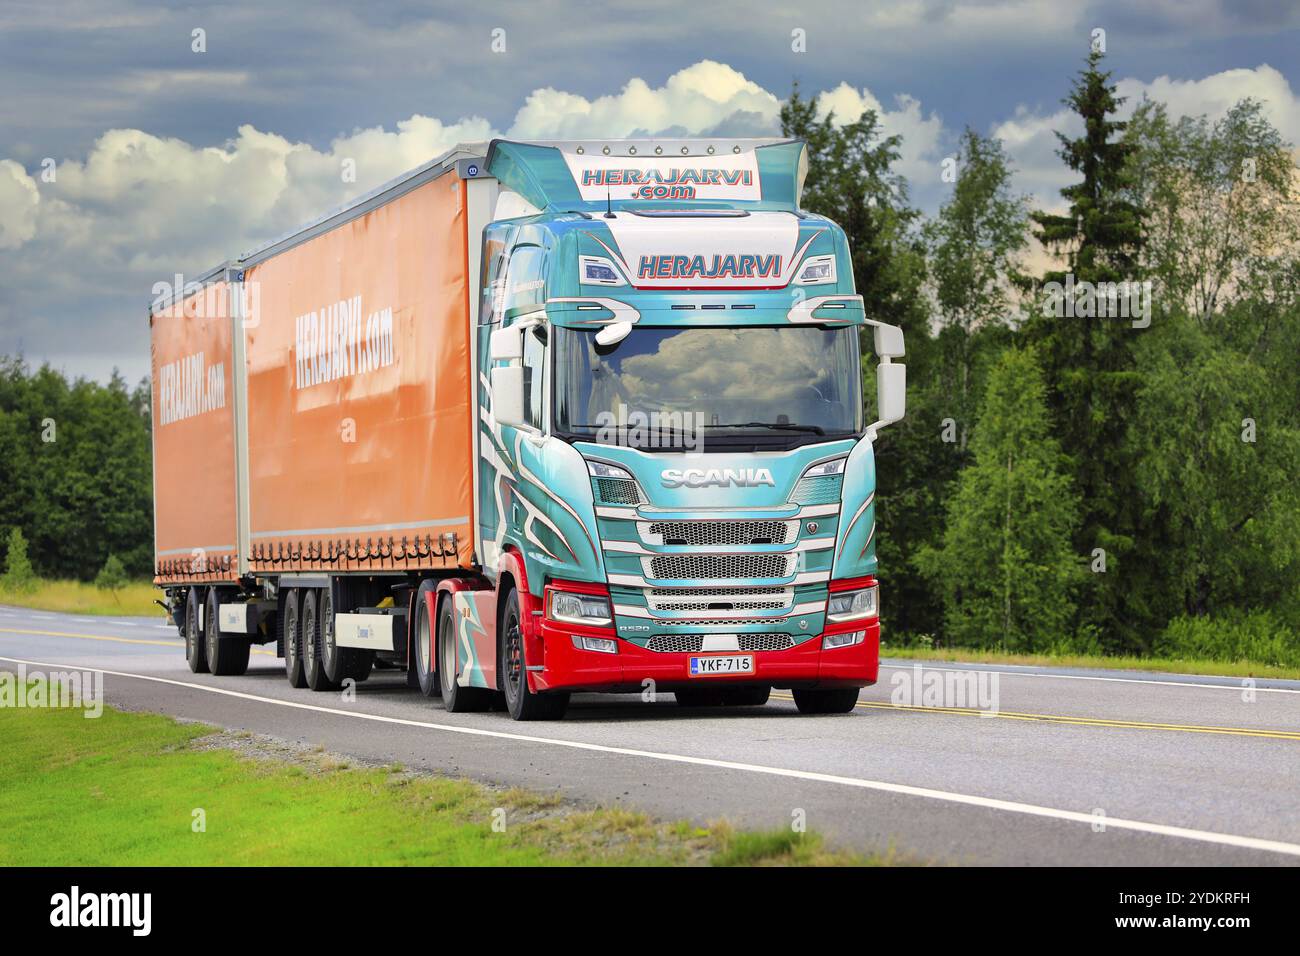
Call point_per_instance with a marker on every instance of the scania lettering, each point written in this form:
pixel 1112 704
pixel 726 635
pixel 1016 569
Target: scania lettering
pixel 534 419
pixel 701 478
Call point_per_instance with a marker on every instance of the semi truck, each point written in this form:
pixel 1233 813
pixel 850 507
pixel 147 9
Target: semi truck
pixel 530 420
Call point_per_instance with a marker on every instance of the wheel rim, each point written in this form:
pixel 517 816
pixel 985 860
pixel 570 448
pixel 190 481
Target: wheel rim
pixel 291 641
pixel 327 634
pixel 449 656
pixel 514 654
pixel 213 629
pixel 309 639
pixel 422 652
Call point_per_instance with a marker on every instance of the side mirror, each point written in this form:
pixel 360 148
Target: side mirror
pixel 891 392
pixel 613 334
pixel 506 344
pixel 891 379
pixel 507 393
pixel 889 341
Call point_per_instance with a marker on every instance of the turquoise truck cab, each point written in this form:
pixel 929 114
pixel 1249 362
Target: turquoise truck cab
pixel 672 452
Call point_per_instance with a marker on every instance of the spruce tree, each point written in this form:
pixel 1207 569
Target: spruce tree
pixel 19 578
pixel 1006 569
pixel 1089 361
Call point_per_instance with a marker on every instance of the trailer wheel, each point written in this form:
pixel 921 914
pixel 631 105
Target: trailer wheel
pixel 422 639
pixel 360 665
pixel 839 700
pixel 340 663
pixel 227 656
pixel 196 654
pixel 512 664
pixel 457 699
pixel 312 665
pixel 293 639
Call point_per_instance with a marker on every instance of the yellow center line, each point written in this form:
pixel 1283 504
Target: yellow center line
pixel 115 640
pixel 1079 721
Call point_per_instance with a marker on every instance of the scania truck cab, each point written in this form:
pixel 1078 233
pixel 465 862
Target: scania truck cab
pixel 675 479
pixel 533 419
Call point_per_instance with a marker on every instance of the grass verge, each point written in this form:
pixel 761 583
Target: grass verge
pixel 126 789
pixel 81 597
pixel 1204 668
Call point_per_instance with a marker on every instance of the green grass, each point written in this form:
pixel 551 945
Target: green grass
pixel 120 790
pixel 81 597
pixel 1166 665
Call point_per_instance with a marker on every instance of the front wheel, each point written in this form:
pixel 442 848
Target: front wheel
pixel 839 700
pixel 512 660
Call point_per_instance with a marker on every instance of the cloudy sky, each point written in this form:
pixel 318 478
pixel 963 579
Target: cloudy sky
pixel 169 159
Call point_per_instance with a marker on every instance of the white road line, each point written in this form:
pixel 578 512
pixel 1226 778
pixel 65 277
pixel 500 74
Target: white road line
pixel 1113 680
pixel 1009 806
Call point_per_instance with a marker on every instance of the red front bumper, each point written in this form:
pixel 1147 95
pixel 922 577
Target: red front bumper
pixel 566 667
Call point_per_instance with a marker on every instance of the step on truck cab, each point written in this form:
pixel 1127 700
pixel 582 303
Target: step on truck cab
pixel 535 419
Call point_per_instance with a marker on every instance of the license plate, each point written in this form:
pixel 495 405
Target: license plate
pixel 722 665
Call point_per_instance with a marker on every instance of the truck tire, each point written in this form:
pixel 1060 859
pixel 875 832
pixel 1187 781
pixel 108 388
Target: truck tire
pixel 745 696
pixel 699 697
pixel 512 665
pixel 422 644
pixel 360 665
pixel 196 655
pixel 293 639
pixel 313 667
pixel 340 663
pixel 227 655
pixel 457 699
pixel 839 700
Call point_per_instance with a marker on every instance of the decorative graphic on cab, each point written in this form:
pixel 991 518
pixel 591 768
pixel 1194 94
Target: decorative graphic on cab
pixel 731 177
pixel 710 267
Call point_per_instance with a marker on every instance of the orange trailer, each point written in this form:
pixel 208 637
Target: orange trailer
pixel 313 416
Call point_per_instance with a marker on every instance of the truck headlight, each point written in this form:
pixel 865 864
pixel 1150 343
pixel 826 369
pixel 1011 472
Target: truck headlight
pixel 833 467
pixel 602 644
pixel 848 639
pixel 573 608
pixel 598 469
pixel 852 605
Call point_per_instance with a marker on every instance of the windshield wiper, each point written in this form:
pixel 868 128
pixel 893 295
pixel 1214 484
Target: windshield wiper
pixel 776 426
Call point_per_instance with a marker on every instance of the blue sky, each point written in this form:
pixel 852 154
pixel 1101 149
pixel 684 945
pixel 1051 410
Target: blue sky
pixel 167 159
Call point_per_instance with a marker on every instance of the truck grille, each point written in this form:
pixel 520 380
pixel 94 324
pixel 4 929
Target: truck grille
pixel 617 491
pixel 709 567
pixel 715 533
pixel 694 643
pixel 719 599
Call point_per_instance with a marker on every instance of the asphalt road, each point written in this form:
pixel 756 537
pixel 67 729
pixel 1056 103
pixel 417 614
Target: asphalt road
pixel 1077 767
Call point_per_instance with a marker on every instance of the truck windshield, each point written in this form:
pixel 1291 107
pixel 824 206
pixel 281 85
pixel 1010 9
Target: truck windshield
pixel 774 386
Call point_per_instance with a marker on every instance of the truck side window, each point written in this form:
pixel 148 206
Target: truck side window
pixel 535 378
